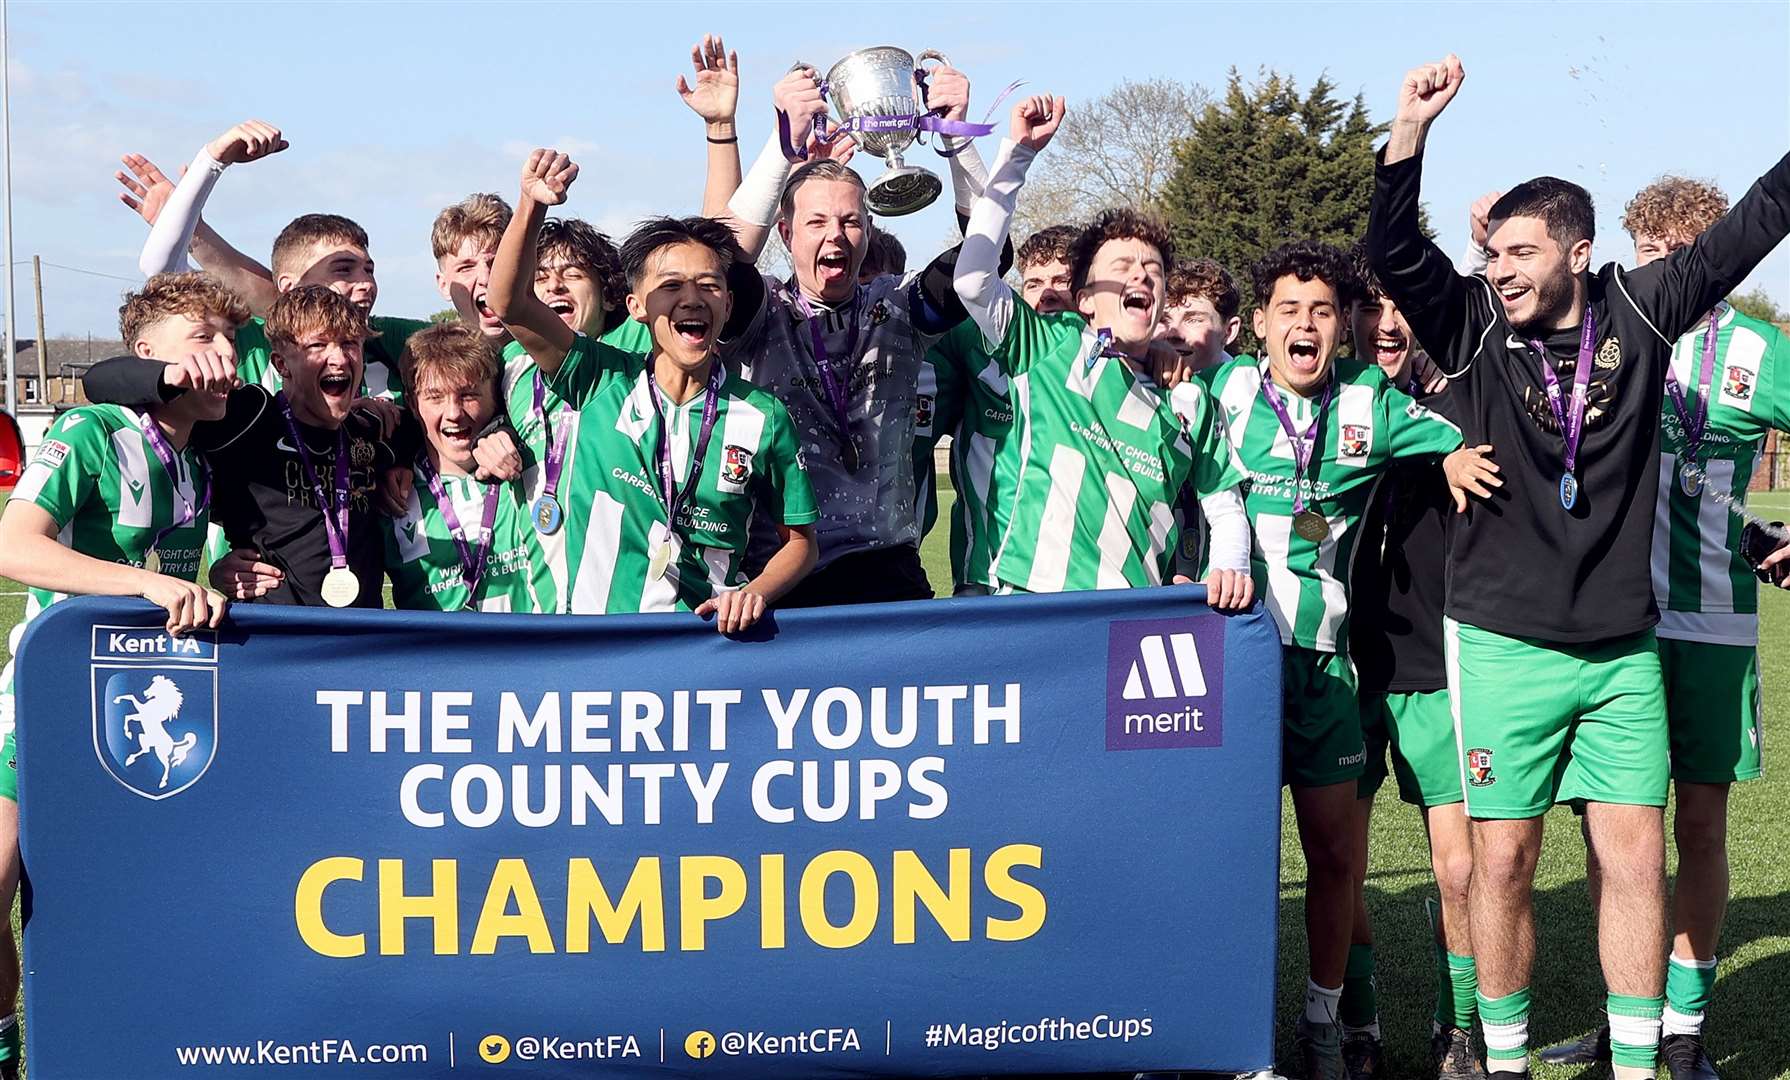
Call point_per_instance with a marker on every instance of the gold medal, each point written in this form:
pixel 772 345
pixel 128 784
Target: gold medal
pixel 1310 525
pixel 661 560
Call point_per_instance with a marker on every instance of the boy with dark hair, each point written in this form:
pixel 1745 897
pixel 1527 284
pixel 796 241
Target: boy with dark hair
pixel 461 543
pixel 1199 315
pixel 1098 456
pixel 292 469
pixel 1396 644
pixel 670 457
pixel 887 255
pixel 1554 668
pixel 1314 433
pixel 1727 389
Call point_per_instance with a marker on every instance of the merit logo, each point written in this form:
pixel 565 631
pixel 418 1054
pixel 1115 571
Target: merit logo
pixel 1164 683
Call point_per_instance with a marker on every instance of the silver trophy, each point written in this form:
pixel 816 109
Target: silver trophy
pixel 879 103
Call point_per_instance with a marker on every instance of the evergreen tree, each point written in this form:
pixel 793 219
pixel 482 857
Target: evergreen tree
pixel 1267 164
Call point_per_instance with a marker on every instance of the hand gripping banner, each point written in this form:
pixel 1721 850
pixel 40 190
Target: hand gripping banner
pixel 1003 835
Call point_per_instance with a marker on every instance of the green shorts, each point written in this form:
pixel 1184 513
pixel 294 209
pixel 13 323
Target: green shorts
pixel 1542 722
pixel 9 768
pixel 1321 720
pixel 1712 711
pixel 1418 730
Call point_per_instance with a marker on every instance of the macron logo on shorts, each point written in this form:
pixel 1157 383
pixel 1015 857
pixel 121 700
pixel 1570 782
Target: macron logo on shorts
pixel 1164 683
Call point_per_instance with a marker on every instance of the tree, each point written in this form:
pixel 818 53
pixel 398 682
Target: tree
pixel 1117 150
pixel 1269 164
pixel 1759 304
pixel 445 315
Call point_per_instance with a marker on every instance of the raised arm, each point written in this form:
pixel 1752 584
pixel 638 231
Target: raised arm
pixel 988 299
pixel 547 175
pixel 752 211
pixel 1417 275
pixel 175 212
pixel 1678 291
pixel 715 98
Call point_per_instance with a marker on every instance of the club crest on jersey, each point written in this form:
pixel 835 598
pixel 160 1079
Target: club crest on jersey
pixel 1479 767
pixel 360 453
pixel 1738 383
pixel 879 314
pixel 1354 440
pixel 923 411
pixel 155 718
pixel 736 464
pixel 1609 354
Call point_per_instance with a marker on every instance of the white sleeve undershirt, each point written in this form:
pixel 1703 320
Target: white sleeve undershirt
pixel 987 298
pixel 755 201
pixel 969 176
pixel 1228 525
pixel 172 234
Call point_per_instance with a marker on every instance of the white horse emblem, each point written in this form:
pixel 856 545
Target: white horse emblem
pixel 159 706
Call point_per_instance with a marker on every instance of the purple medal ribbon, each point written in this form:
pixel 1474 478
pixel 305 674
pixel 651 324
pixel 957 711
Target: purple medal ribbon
pixel 1572 418
pixel 1304 444
pixel 838 396
pixel 472 560
pixel 1696 423
pixel 164 452
pixel 675 500
pixel 335 511
pixel 556 441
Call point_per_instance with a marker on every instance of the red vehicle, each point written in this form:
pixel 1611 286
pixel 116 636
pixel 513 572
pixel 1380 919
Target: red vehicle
pixel 12 453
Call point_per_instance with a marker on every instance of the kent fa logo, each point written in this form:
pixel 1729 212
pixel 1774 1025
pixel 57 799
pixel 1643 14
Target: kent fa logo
pixel 1479 767
pixel 1165 683
pixel 155 719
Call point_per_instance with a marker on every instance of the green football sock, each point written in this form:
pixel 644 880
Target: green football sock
pixel 1634 1030
pixel 1506 1023
pixel 1458 1002
pixel 1689 985
pixel 1359 1007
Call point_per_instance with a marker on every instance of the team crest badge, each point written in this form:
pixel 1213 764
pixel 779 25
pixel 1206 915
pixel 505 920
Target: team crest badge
pixel 1609 355
pixel 1354 440
pixel 360 453
pixel 1479 767
pixel 880 313
pixel 923 411
pixel 1738 383
pixel 155 716
pixel 736 464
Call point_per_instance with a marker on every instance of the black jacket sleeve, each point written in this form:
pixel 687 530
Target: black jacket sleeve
pixel 129 381
pixel 747 286
pixel 1677 291
pixel 1447 312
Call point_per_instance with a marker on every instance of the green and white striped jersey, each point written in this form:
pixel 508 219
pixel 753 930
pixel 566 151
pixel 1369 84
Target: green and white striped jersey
pixel 97 477
pixel 1704 589
pixel 598 561
pixel 423 561
pixel 1368 423
pixel 547 554
pixel 1097 459
pixel 980 390
pixel 379 378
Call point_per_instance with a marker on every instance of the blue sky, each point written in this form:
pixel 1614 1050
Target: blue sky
pixel 395 110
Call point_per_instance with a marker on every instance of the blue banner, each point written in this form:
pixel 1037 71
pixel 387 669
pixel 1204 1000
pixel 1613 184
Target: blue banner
pixel 1017 834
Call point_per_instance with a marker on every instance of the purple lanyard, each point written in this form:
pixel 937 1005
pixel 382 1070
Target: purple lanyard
pixel 472 559
pixel 674 499
pixel 836 388
pixel 335 511
pixel 1571 420
pixel 556 441
pixel 164 452
pixel 1304 445
pixel 1696 423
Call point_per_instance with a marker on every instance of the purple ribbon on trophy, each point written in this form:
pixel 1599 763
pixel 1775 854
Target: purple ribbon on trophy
pixel 880 96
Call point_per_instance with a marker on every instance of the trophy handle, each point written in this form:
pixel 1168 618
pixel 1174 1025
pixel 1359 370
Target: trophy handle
pixel 921 75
